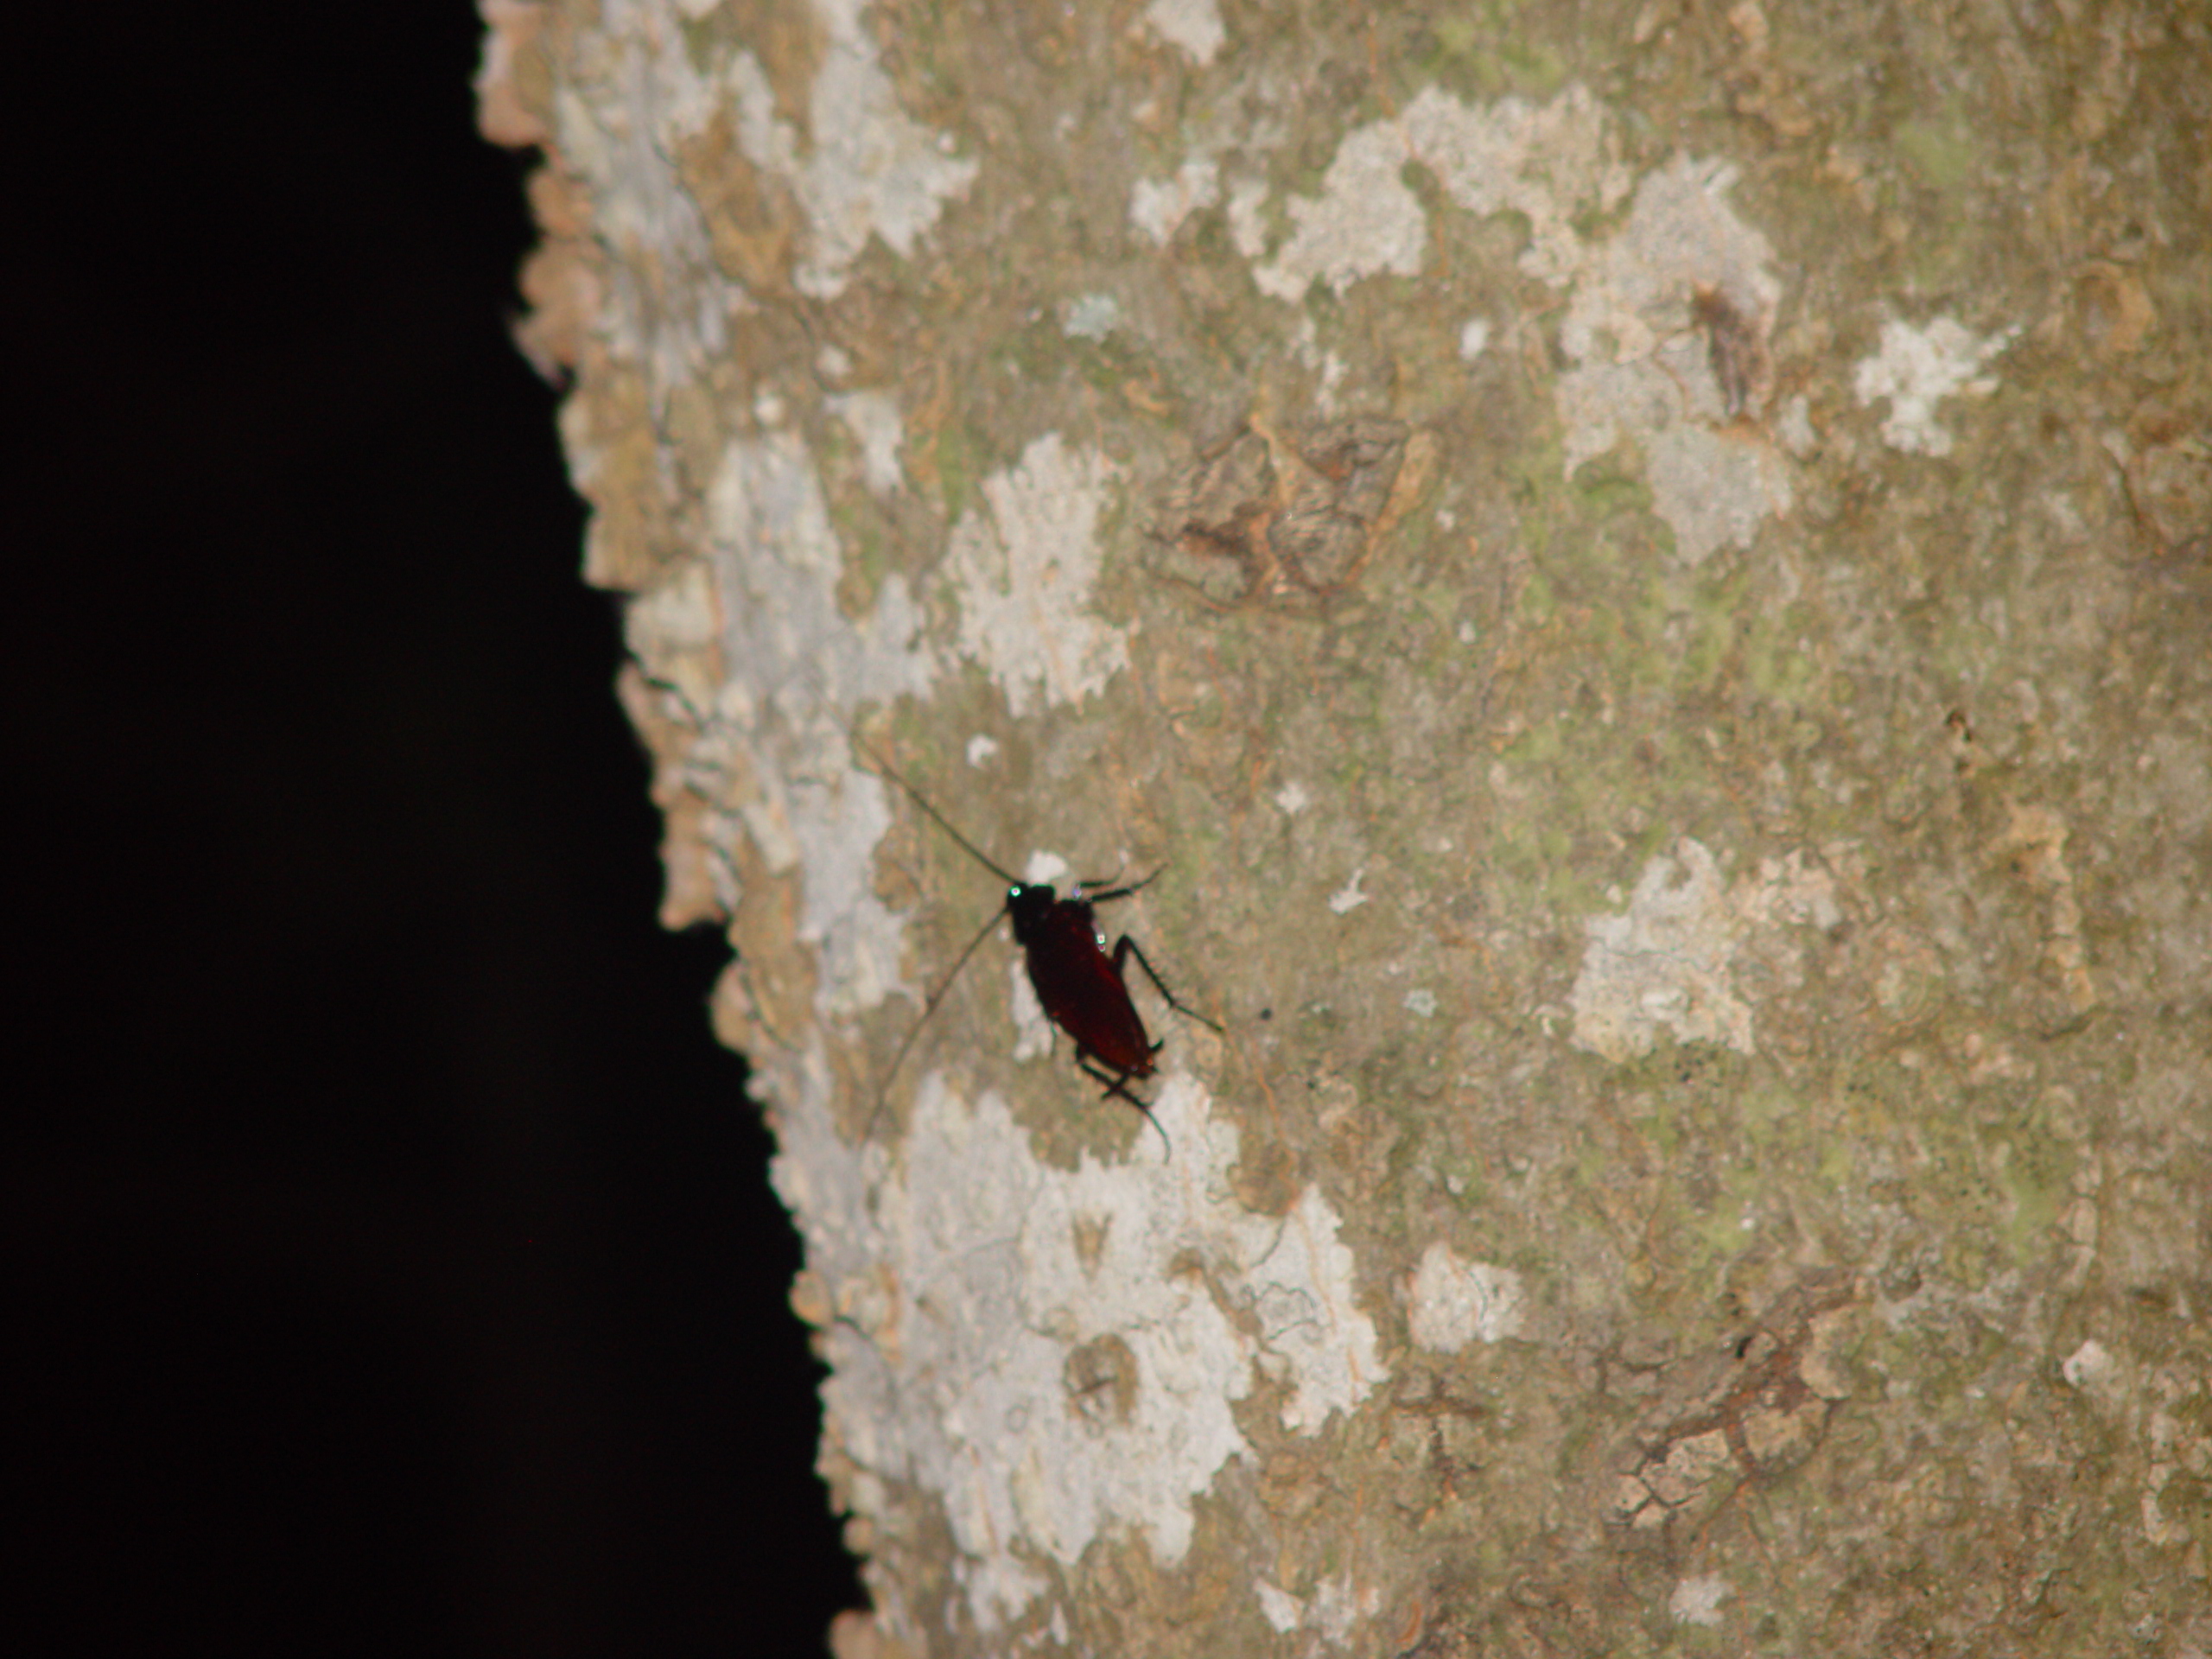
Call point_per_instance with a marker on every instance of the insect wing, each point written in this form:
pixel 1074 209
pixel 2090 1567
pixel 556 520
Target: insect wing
pixel 1080 991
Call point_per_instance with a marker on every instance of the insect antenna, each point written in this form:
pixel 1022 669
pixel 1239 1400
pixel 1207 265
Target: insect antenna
pixel 945 983
pixel 943 823
pixel 929 1007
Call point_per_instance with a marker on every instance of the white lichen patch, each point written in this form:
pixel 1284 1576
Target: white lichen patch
pixel 1787 889
pixel 1337 1604
pixel 1348 898
pixel 1541 161
pixel 1917 368
pixel 862 169
pixel 1298 1279
pixel 641 85
pixel 1021 568
pixel 803 661
pixel 2093 1371
pixel 1664 963
pixel 873 417
pixel 1713 489
pixel 1632 291
pixel 1364 222
pixel 1090 316
pixel 1247 228
pixel 1545 161
pixel 1285 1611
pixel 630 100
pixel 1158 208
pixel 1641 373
pixel 1451 1301
pixel 1194 25
pixel 1055 1354
pixel 778 560
pixel 1697 1601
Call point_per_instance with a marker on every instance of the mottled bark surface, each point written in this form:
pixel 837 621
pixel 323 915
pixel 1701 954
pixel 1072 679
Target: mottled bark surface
pixel 1645 571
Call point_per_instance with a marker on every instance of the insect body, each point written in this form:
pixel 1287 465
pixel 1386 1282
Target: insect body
pixel 1734 350
pixel 1081 987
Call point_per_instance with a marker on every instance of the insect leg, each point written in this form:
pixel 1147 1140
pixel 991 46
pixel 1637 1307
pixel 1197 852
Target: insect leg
pixel 1117 1083
pixel 1117 1088
pixel 1121 893
pixel 1127 947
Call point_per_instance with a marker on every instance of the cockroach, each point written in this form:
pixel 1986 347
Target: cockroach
pixel 1080 985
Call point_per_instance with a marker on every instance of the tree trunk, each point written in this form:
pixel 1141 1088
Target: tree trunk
pixel 1642 576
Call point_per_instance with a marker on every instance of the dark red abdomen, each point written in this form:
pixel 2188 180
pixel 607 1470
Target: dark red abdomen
pixel 1077 982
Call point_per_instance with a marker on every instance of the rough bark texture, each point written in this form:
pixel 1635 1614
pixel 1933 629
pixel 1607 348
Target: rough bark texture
pixel 1645 570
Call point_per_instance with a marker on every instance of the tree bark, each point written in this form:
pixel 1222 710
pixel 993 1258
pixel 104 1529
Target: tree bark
pixel 1642 575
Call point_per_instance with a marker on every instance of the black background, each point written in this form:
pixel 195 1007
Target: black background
pixel 394 1266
